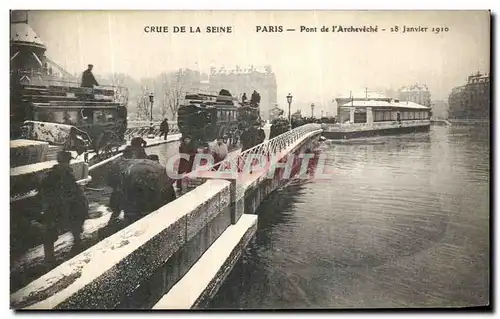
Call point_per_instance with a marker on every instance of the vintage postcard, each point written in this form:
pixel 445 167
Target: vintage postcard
pixel 249 159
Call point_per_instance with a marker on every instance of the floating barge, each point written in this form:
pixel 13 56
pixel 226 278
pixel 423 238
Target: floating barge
pixel 378 117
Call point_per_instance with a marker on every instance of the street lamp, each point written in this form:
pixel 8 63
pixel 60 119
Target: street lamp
pixel 312 110
pixel 151 128
pixel 289 100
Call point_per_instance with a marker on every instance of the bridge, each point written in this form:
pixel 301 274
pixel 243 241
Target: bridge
pixel 179 255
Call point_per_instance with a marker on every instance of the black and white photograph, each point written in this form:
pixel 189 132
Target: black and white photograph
pixel 250 159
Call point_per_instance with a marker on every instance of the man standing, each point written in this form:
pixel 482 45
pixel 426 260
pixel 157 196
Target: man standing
pixel 64 205
pixel 88 79
pixel 188 147
pixel 220 151
pixel 164 129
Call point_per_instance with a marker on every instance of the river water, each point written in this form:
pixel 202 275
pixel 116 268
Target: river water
pixel 403 222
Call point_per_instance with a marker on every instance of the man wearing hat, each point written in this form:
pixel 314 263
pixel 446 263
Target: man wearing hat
pixel 65 206
pixel 88 79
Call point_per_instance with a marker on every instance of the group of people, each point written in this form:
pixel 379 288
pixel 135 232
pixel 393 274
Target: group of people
pixel 188 146
pixel 252 136
pixel 140 183
pixel 254 99
pixel 140 186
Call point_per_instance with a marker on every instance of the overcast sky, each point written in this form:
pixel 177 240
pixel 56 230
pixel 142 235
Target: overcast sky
pixel 314 67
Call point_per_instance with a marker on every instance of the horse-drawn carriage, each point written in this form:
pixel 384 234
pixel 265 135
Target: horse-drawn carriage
pixel 206 117
pixel 86 120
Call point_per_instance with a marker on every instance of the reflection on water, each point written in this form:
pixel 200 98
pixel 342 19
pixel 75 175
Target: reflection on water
pixel 404 222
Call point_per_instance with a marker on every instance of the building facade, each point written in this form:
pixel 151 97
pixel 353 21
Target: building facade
pixel 472 100
pixel 245 80
pixel 416 93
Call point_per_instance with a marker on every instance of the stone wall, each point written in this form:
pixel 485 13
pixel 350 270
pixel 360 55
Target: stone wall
pixel 26 178
pixel 25 152
pixel 135 267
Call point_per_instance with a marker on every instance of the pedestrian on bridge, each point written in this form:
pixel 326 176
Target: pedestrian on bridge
pixel 164 129
pixel 65 206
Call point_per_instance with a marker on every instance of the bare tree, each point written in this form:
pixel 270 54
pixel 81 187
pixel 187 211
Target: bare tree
pixel 143 105
pixel 173 89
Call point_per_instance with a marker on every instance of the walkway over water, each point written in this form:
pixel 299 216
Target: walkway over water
pixel 119 248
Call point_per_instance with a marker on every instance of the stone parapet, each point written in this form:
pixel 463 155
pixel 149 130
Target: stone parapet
pixel 139 264
pixel 26 178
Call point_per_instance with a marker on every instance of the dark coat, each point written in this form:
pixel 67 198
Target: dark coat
pixel 140 186
pixel 63 201
pixel 135 152
pixel 164 126
pixel 88 79
pixel 260 136
pixel 185 166
pixel 246 140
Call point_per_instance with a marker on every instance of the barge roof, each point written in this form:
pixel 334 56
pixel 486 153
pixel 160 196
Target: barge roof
pixel 385 104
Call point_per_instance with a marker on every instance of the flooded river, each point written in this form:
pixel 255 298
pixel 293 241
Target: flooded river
pixel 403 222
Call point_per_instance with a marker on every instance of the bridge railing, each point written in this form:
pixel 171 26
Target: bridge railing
pixel 144 130
pixel 267 150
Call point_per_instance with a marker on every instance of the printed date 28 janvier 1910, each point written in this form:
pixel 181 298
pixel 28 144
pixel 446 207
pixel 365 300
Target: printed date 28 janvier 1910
pixel 353 29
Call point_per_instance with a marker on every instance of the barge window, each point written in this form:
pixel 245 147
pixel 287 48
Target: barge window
pixel 412 115
pixel 387 116
pixel 394 116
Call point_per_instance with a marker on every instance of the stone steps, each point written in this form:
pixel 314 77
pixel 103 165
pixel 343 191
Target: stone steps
pixel 25 152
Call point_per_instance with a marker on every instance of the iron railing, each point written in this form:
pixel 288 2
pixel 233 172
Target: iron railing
pixel 144 130
pixel 268 151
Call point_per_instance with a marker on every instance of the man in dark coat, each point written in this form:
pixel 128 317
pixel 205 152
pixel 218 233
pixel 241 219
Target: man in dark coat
pixel 164 128
pixel 188 147
pixel 246 139
pixel 254 98
pixel 136 149
pixel 64 205
pixel 140 186
pixel 88 79
pixel 260 135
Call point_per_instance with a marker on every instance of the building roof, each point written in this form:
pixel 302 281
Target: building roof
pixel 378 104
pixel 362 95
pixel 22 32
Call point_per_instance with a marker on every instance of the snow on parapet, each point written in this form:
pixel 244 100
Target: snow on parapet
pixel 75 274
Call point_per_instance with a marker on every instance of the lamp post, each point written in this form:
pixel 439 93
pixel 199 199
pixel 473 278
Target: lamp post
pixel 151 129
pixel 312 110
pixel 289 98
